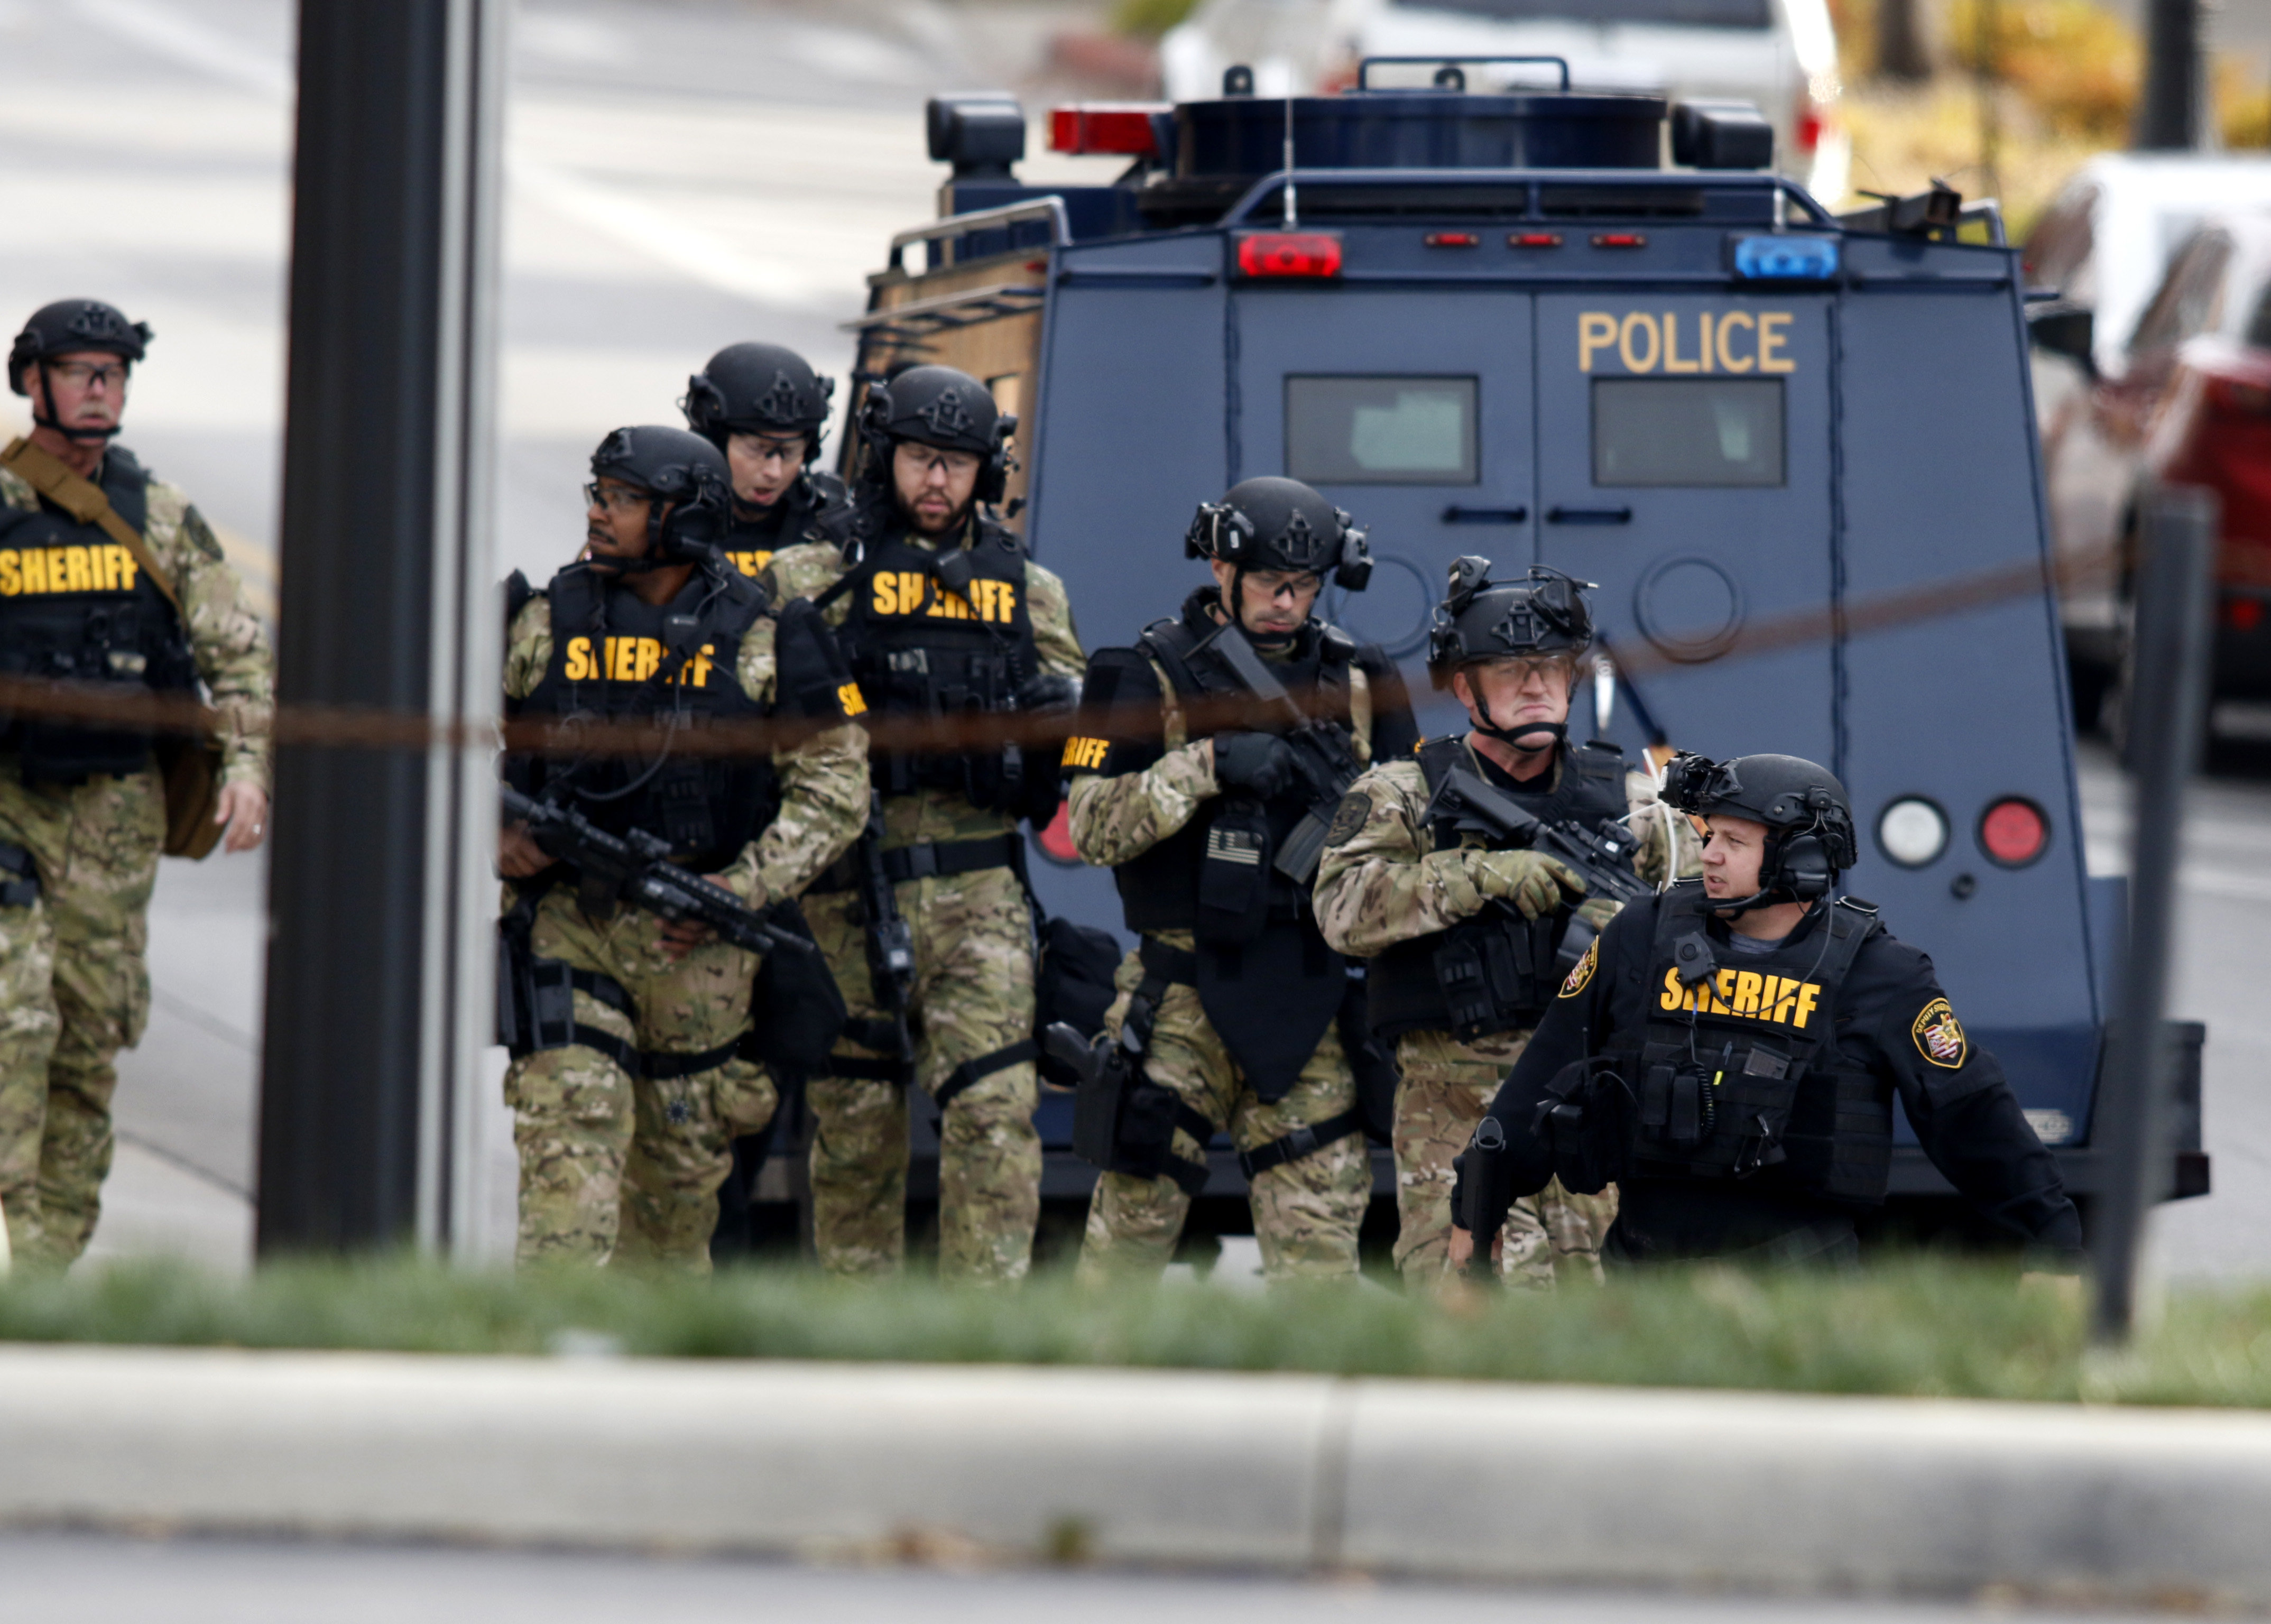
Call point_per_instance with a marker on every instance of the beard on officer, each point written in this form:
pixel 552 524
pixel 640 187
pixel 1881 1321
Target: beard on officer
pixel 944 616
pixel 1465 929
pixel 1729 1051
pixel 1233 1013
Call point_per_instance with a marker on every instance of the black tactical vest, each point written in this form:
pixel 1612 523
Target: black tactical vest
pixel 75 607
pixel 813 509
pixel 1737 1071
pixel 1495 971
pixel 615 657
pixel 920 649
pixel 1218 864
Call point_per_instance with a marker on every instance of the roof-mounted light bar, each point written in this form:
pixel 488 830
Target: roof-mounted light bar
pixel 1130 129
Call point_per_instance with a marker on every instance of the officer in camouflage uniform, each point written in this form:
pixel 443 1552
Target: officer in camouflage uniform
pixel 942 615
pixel 765 408
pixel 624 1122
pixel 1242 1017
pixel 83 810
pixel 1424 903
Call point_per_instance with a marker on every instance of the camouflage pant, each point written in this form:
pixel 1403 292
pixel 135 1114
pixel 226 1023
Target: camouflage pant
pixel 74 990
pixel 1446 1088
pixel 1306 1212
pixel 623 1167
pixel 972 994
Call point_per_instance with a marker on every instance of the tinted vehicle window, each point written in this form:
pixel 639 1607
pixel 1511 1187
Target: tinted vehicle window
pixel 1380 431
pixel 2258 325
pixel 1688 431
pixel 1687 13
pixel 2187 301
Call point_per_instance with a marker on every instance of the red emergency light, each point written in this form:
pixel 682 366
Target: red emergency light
pixel 1289 253
pixel 1122 127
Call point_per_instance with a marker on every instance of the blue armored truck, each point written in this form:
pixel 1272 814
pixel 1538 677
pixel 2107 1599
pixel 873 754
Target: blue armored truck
pixel 1593 331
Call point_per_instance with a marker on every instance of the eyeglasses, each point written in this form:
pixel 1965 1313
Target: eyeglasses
pixel 84 374
pixel 769 450
pixel 932 459
pixel 615 498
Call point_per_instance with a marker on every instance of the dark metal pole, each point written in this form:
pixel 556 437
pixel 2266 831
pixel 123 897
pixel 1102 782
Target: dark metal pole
pixel 2168 116
pixel 376 997
pixel 2167 719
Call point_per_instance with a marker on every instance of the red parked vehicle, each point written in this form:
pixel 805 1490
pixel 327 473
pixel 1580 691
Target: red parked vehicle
pixel 2192 406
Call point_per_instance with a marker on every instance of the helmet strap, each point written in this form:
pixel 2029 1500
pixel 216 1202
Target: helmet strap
pixel 46 420
pixel 1527 738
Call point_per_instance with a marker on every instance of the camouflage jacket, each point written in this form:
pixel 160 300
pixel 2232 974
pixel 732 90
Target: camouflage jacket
pixel 226 638
pixel 927 816
pixel 1117 818
pixel 1382 881
pixel 824 781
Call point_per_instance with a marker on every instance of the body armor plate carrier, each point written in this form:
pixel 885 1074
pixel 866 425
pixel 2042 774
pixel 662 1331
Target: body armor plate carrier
pixel 1495 971
pixel 615 657
pixel 1737 1072
pixel 75 606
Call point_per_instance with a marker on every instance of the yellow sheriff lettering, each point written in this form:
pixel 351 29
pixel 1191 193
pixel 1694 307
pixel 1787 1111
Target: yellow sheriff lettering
pixel 849 696
pixel 752 562
pixel 1085 753
pixel 11 574
pixel 1746 994
pixel 579 667
pixel 39 570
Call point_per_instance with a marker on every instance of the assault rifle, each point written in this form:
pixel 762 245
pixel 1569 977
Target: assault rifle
pixel 890 941
pixel 1327 758
pixel 1602 856
pixel 1483 1174
pixel 636 866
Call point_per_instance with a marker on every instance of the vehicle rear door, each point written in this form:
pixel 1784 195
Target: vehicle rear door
pixel 1409 409
pixel 1683 450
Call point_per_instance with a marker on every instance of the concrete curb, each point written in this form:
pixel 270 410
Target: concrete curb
pixel 1442 1479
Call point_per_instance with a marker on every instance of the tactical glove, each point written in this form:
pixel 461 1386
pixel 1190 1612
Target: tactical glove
pixel 1599 911
pixel 1047 694
pixel 1531 880
pixel 1260 764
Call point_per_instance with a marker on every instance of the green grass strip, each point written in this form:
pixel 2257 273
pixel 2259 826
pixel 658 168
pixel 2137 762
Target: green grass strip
pixel 1921 1326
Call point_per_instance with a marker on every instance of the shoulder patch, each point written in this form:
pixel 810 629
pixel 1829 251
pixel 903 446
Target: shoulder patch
pixel 1349 819
pixel 1939 1036
pixel 1583 972
pixel 200 534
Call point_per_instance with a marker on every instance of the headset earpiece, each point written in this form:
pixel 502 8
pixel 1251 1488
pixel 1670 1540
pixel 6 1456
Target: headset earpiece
pixel 1804 867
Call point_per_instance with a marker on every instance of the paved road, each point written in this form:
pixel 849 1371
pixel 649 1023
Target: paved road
pixel 664 201
pixel 90 1580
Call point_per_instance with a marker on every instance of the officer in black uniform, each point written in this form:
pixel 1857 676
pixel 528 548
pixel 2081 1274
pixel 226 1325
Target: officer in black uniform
pixel 627 1077
pixel 928 927
pixel 1730 1053
pixel 1467 924
pixel 764 406
pixel 1207 793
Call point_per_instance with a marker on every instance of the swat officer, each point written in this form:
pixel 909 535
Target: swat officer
pixel 928 927
pixel 1242 1016
pixel 108 577
pixel 765 408
pixel 1730 1052
pixel 1464 924
pixel 623 1121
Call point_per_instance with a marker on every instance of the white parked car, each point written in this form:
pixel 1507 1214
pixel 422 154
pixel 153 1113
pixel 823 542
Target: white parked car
pixel 1780 54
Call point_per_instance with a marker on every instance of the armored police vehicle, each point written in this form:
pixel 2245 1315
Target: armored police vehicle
pixel 1796 451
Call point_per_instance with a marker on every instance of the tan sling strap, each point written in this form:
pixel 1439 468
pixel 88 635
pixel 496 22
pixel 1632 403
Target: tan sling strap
pixel 84 501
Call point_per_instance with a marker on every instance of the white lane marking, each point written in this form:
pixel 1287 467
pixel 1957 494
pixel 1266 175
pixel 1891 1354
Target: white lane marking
pixel 647 230
pixel 2227 884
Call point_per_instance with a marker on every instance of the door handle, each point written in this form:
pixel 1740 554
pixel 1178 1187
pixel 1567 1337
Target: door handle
pixel 1589 515
pixel 1456 515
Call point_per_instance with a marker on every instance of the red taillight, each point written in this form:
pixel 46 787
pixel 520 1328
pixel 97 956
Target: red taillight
pixel 1453 239
pixel 1619 239
pixel 1056 839
pixel 1289 253
pixel 1122 127
pixel 1808 133
pixel 2013 831
pixel 1534 239
pixel 2244 614
pixel 2240 399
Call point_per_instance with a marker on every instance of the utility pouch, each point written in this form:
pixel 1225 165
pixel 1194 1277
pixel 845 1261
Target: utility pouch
pixel 796 1010
pixel 536 997
pixel 1724 1110
pixel 1496 974
pixel 1584 1119
pixel 1233 902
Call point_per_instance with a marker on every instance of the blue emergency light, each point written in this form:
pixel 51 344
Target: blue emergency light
pixel 1786 258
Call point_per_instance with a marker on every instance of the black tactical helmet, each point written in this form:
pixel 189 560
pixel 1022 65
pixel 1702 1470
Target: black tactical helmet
pixel 69 326
pixel 1276 524
pixel 1544 613
pixel 1809 820
pixel 690 476
pixel 940 407
pixel 759 389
